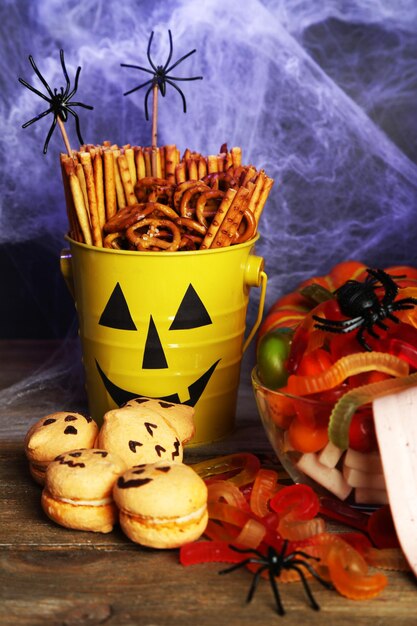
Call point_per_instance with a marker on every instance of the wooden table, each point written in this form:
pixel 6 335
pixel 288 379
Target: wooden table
pixel 57 577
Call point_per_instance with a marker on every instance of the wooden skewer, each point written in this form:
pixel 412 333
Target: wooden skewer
pixel 155 116
pixel 64 135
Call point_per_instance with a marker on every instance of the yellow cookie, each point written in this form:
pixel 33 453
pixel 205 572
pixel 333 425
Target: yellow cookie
pixel 139 435
pixel 180 416
pixel 78 489
pixel 162 505
pixel 54 434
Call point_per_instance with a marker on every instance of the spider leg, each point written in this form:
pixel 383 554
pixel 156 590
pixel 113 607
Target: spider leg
pixel 189 78
pixel 39 75
pixel 236 566
pixel 137 67
pixel 64 70
pixel 49 135
pixel 146 100
pixel 362 341
pixel 171 49
pixel 38 93
pixel 274 586
pixel 67 95
pixel 312 571
pixel 180 60
pixel 184 104
pixel 411 302
pixel 254 585
pixel 247 551
pixel 77 125
pixel 38 117
pixel 138 87
pixel 384 326
pixel 307 589
pixel 79 104
pixel 371 331
pixel 148 53
pixel 354 322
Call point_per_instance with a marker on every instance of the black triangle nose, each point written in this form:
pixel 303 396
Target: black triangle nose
pixel 153 356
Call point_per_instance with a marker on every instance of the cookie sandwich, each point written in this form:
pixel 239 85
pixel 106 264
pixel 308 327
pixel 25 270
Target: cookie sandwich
pixel 179 416
pixel 54 434
pixel 162 505
pixel 139 435
pixel 78 490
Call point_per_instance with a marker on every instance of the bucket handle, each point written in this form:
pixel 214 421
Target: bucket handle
pixel 262 282
pixel 66 270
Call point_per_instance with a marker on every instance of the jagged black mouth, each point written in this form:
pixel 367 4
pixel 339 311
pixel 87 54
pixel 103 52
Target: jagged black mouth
pixel 120 396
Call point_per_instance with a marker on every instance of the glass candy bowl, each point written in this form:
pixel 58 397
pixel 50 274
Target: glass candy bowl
pixel 297 428
pixel 327 355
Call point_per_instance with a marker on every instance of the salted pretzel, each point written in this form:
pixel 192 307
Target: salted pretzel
pixel 144 235
pixel 151 185
pixel 164 209
pixel 186 210
pixel 116 241
pixel 179 192
pixel 127 216
pixel 201 211
pixel 193 225
pixel 249 227
pixel 190 242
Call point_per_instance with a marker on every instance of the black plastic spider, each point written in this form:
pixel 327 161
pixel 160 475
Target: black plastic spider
pixel 275 562
pixel 359 302
pixel 60 101
pixel 160 74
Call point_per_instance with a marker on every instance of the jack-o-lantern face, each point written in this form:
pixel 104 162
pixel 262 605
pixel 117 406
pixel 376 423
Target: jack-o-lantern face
pixel 190 315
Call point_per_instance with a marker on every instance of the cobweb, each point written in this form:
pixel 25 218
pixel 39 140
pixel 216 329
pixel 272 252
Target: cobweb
pixel 322 95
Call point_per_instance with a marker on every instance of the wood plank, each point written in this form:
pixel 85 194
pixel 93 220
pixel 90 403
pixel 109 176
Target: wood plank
pixel 54 576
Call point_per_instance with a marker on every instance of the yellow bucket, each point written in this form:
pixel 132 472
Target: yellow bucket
pixel 167 325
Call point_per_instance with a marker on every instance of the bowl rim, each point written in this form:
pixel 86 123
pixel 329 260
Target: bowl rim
pixel 256 383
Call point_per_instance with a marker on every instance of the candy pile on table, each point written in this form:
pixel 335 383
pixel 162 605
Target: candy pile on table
pixel 336 363
pixel 252 515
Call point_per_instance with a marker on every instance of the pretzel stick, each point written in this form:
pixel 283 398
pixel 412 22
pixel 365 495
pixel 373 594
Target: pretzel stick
pixel 148 161
pixel 99 185
pixel 126 180
pixel 236 156
pixel 109 184
pixel 202 168
pixel 192 169
pixel 130 156
pixel 162 160
pixel 79 204
pixel 212 166
pixel 81 178
pixel 267 186
pixel 85 158
pixel 180 173
pixel 250 173
pixel 156 163
pixel 230 224
pixel 140 163
pixel 75 232
pixel 170 162
pixel 221 161
pixel 229 161
pixel 217 220
pixel 120 194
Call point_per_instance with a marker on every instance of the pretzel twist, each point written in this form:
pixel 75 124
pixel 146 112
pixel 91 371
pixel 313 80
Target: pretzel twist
pixel 148 239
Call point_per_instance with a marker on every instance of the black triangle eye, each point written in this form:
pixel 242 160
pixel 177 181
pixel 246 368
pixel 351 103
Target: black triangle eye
pixel 191 313
pixel 116 313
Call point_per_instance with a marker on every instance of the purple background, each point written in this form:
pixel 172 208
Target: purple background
pixel 322 95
